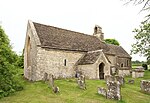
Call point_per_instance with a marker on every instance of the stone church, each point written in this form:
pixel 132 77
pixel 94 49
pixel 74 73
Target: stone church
pixel 64 53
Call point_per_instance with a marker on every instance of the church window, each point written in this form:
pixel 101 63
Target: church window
pixel 65 62
pixel 127 62
pixel 122 65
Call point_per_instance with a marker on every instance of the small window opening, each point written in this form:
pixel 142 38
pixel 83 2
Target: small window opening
pixel 127 62
pixel 122 65
pixel 95 30
pixel 65 62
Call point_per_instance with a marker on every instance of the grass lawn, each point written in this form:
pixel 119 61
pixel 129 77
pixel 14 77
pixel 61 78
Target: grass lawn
pixel 39 92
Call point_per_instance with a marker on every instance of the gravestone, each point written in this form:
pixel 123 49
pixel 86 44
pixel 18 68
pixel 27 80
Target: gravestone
pixel 51 84
pixel 45 77
pixel 102 91
pixel 81 82
pixel 114 90
pixel 51 80
pixel 145 86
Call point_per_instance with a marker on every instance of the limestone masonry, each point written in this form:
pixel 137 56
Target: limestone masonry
pixel 65 53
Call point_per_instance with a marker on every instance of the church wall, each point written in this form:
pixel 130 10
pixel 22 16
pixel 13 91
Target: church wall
pixel 29 69
pixel 112 59
pixel 88 70
pixel 124 66
pixel 57 62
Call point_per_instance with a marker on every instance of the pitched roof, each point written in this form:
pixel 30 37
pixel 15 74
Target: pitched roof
pixel 116 50
pixel 53 37
pixel 57 38
pixel 89 58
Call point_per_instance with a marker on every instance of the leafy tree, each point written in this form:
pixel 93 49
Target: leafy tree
pixel 8 67
pixel 142 44
pixel 112 41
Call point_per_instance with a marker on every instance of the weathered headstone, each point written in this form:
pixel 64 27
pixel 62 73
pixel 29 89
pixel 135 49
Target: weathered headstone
pixel 81 82
pixel 145 86
pixel 51 84
pixel 114 90
pixel 51 80
pixel 45 77
pixel 102 91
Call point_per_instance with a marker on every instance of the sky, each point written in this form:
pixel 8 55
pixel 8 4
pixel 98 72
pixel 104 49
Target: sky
pixel 116 19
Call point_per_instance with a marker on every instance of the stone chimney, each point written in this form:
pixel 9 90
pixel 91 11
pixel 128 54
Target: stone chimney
pixel 98 32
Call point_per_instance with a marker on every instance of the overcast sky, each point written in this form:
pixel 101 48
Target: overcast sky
pixel 117 20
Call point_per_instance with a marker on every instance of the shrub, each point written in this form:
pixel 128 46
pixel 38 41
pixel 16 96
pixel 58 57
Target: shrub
pixel 145 66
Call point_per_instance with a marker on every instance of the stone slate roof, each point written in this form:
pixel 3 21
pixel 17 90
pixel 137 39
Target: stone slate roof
pixel 117 50
pixel 57 38
pixel 89 58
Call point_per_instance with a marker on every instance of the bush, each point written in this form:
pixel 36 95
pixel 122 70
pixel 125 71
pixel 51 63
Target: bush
pixel 8 67
pixel 145 66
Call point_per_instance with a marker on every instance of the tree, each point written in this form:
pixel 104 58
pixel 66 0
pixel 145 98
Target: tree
pixel 142 44
pixel 112 41
pixel 8 68
pixel 145 3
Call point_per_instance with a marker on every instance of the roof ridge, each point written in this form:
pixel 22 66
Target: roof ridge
pixel 64 29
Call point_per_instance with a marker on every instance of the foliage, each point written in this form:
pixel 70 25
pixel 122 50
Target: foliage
pixel 112 41
pixel 8 67
pixel 145 66
pixel 39 92
pixel 142 44
pixel 20 61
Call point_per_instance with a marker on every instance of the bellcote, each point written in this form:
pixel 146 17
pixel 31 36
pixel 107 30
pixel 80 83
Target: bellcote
pixel 98 32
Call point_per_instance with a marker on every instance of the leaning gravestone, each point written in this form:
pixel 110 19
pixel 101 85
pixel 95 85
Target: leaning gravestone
pixel 51 84
pixel 114 90
pixel 81 82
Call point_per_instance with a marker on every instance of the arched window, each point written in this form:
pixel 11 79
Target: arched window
pixel 121 64
pixel 28 52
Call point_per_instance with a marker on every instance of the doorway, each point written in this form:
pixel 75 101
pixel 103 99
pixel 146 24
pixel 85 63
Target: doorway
pixel 101 71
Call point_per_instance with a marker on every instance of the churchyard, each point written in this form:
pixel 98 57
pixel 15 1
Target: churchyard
pixel 70 92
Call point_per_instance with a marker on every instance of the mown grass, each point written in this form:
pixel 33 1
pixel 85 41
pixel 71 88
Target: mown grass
pixel 39 92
